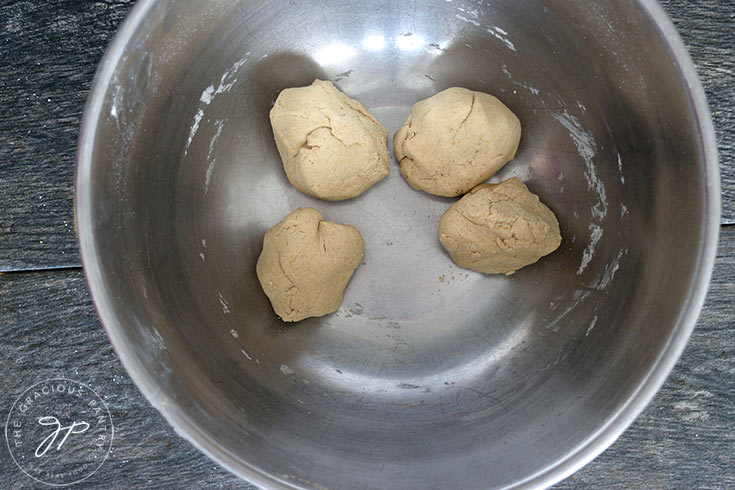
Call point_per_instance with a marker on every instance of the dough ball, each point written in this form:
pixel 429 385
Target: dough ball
pixel 454 140
pixel 306 263
pixel 499 228
pixel 331 147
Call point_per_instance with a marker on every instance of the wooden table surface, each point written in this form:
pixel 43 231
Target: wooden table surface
pixel 49 50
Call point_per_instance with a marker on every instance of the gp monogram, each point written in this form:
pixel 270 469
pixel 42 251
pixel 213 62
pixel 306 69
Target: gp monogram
pixel 59 432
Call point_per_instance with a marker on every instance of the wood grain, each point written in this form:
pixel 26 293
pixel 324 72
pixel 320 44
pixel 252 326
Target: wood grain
pixel 49 52
pixel 706 26
pixel 685 438
pixel 48 328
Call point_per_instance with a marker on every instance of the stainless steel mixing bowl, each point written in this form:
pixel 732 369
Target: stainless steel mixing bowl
pixel 428 376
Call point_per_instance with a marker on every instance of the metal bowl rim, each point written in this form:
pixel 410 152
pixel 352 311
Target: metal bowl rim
pixel 571 461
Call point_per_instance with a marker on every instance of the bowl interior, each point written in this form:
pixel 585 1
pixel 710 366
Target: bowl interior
pixel 428 376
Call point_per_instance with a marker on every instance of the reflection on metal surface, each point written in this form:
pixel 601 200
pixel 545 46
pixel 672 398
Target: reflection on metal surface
pixel 333 54
pixel 428 376
pixel 409 42
pixel 373 43
pixel 465 372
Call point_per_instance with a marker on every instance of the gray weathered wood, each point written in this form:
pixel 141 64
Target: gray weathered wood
pixel 49 51
pixel 685 438
pixel 48 328
pixel 48 55
pixel 708 30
